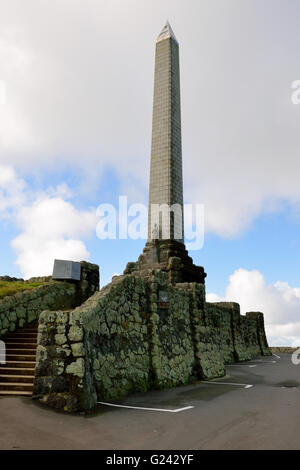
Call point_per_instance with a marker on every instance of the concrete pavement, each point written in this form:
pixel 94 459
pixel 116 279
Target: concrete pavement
pixel 220 415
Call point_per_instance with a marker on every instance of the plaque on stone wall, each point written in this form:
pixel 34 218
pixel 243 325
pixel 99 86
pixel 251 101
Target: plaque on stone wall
pixel 163 299
pixel 66 270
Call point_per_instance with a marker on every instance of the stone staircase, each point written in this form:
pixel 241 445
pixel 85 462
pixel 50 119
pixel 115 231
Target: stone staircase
pixel 17 375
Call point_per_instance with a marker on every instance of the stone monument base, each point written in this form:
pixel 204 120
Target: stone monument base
pixel 170 256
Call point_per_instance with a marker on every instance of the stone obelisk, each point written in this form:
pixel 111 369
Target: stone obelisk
pixel 166 154
pixel 165 247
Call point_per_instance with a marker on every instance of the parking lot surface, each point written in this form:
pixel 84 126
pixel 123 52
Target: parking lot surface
pixel 256 406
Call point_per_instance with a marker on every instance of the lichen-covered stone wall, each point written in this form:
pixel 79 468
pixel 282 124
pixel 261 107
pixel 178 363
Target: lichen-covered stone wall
pixel 208 360
pixel 25 307
pixel 116 333
pixel 171 345
pixel 259 324
pixel 219 318
pixel 238 337
pixel 60 366
pixel 131 343
pixel 111 333
pixel 136 334
pixel 283 349
pixel 89 281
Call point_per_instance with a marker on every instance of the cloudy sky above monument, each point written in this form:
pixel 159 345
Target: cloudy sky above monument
pixel 75 131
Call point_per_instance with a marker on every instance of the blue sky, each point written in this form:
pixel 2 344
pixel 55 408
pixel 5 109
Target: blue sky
pixel 75 132
pixel 271 245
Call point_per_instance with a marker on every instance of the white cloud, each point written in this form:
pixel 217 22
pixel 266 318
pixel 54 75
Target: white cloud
pixel 50 226
pixel 214 298
pixel 11 191
pixel 16 136
pixel 279 302
pixel 80 84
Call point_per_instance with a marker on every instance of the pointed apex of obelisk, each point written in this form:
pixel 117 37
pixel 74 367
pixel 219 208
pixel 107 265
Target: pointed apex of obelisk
pixel 167 33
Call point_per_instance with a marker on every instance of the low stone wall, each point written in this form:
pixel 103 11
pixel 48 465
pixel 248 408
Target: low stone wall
pixel 239 337
pixel 171 342
pixel 26 306
pixel 134 335
pixel 261 333
pixel 219 318
pixel 11 279
pixel 283 349
pixel 256 339
pixel 32 279
pixel 89 281
pixel 131 343
pixel 116 339
pixel 208 360
pixel 60 360
pixel 112 349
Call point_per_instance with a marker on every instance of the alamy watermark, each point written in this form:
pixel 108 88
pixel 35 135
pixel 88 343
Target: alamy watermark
pixel 3 93
pixel 296 357
pixel 295 97
pixel 163 223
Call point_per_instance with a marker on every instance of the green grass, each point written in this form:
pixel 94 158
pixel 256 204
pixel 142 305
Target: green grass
pixel 11 288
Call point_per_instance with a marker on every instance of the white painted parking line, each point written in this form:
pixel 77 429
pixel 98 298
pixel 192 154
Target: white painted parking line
pixel 145 409
pixel 278 357
pixel 269 362
pixel 266 362
pixel 243 365
pixel 229 383
pixel 246 364
pixel 236 365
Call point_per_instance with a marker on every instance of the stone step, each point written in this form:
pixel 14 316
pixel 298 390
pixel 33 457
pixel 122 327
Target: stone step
pixel 17 370
pixel 31 331
pixel 22 333
pixel 28 379
pixel 34 331
pixel 15 393
pixel 21 350
pixel 13 386
pixel 10 346
pixel 19 364
pixel 17 375
pixel 27 328
pixel 20 357
pixel 26 339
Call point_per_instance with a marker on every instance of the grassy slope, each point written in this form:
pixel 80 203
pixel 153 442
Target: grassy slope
pixel 10 288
